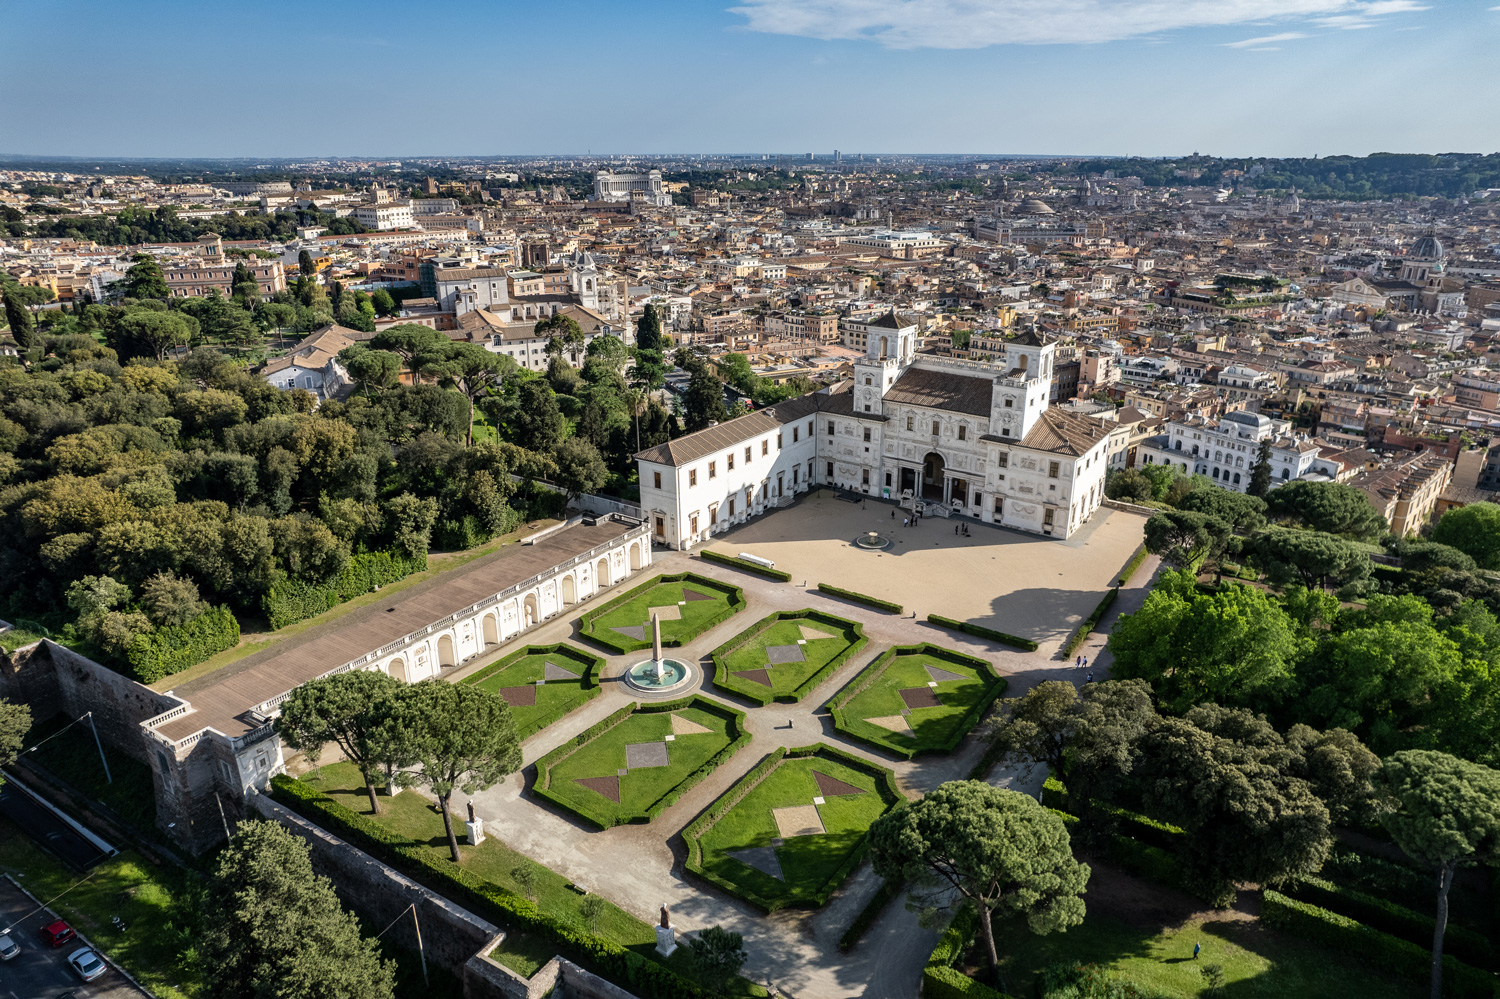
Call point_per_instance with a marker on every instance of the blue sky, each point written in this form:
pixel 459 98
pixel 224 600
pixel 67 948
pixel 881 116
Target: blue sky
pixel 1148 77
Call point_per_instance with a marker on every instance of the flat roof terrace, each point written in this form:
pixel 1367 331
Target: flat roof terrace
pixel 224 699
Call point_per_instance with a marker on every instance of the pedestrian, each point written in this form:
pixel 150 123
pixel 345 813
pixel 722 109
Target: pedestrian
pixel 1078 662
pixel 1196 948
pixel 955 530
pixel 1085 662
pixel 904 522
pixel 893 513
pixel 1091 678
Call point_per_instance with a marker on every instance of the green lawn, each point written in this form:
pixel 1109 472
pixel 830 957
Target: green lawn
pixel 554 698
pixel 811 865
pixel 604 755
pixel 827 642
pixel 159 924
pixel 1258 963
pixel 632 610
pixel 876 694
pixel 415 817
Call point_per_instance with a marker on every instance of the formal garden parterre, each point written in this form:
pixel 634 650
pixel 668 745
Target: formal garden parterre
pixel 785 656
pixel 541 683
pixel 686 603
pixel 793 829
pixel 917 699
pixel 637 762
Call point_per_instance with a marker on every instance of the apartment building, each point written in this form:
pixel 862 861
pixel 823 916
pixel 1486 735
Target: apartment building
pixel 210 271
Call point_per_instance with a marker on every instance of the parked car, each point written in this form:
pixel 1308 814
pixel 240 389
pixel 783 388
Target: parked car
pixel 88 964
pixel 8 947
pixel 58 933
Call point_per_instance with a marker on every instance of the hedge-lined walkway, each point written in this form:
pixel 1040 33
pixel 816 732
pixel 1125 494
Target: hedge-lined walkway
pixel 640 867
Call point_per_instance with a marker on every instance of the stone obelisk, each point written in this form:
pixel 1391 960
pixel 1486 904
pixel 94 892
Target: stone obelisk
pixel 661 673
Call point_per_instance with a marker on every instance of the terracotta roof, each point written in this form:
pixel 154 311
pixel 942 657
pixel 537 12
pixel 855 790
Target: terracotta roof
pixel 942 390
pixel 1064 433
pixel 731 433
pixel 222 698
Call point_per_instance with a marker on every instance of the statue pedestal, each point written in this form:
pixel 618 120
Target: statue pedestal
pixel 475 831
pixel 666 941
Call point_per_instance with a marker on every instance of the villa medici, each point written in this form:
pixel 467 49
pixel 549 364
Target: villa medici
pixel 977 437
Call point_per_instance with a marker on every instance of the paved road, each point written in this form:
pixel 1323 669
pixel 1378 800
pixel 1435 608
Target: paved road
pixel 41 972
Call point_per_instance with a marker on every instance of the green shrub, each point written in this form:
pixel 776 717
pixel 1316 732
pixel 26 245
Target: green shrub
pixel 887 891
pixel 294 600
pixel 1369 946
pixel 860 598
pixel 872 673
pixel 1088 625
pixel 1132 565
pixel 939 978
pixel 606 958
pixel 1388 917
pixel 620 645
pixel 854 633
pixel 693 834
pixel 739 563
pixel 980 631
pixel 736 728
pixel 166 651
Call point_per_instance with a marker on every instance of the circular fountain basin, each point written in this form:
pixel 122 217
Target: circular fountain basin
pixel 872 541
pixel 642 676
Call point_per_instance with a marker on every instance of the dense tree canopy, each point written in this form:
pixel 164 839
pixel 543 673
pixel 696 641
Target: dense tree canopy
pixel 1474 530
pixel 1330 507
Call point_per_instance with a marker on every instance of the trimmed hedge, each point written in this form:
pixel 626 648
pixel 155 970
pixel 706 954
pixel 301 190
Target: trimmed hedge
pixel 1086 628
pixel 739 563
pixel 860 598
pixel 1151 832
pixel 293 600
pixel 980 631
pixel 641 975
pixel 692 835
pixel 753 691
pixel 1388 917
pixel 740 740
pixel 940 980
pixel 872 672
pixel 592 664
pixel 1132 565
pixel 888 890
pixel 620 645
pixel 1371 947
pixel 166 651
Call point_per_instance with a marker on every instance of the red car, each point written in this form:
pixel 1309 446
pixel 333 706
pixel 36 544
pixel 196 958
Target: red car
pixel 58 933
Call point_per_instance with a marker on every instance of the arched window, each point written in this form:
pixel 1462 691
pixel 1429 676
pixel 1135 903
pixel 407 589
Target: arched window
pixel 1178 445
pixel 1218 456
pixel 1216 473
pixel 1195 450
pixel 1236 478
pixel 1285 475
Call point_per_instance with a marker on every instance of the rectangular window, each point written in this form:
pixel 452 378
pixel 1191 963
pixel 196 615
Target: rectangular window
pixel 935 428
pixel 1004 459
pixel 809 428
pixel 692 476
pixel 730 458
pixel 867 435
pixel 1010 403
pixel 830 428
pixel 713 469
pixel 731 506
pixel 830 471
pixel 693 523
pixel 795 431
pixel 864 477
pixel 657 479
pixel 1047 517
pixel 911 423
pixel 778 442
pixel 795 469
pixel 765 447
pixel 963 432
pixel 1052 469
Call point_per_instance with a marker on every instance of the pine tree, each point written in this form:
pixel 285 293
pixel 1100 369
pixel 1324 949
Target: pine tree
pixel 22 326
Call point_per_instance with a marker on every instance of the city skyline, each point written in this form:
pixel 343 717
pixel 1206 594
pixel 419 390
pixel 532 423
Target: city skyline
pixel 1085 77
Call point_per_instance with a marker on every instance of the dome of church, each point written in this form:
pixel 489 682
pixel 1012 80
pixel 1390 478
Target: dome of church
pixel 1427 248
pixel 1035 206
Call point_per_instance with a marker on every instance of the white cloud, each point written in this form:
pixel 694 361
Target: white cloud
pixel 973 24
pixel 1252 43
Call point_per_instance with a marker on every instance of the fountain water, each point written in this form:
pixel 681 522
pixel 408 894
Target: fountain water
pixel 658 674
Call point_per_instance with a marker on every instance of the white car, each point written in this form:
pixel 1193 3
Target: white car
pixel 8 947
pixel 88 964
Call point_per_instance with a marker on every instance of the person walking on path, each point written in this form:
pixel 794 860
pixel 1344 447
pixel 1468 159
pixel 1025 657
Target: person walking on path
pixel 1196 948
pixel 1091 678
pixel 905 522
pixel 955 530
pixel 893 513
